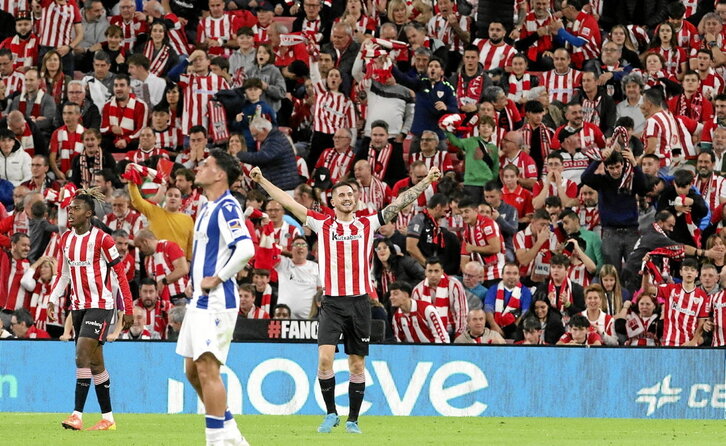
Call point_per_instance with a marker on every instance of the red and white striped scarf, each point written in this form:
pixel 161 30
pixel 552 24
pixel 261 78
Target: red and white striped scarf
pixel 441 299
pixel 545 138
pixel 564 290
pixel 23 104
pixel 691 109
pixel 23 50
pixel 266 301
pixel 589 217
pixel 637 330
pixel 505 315
pixel 26 140
pixel 674 252
pixel 123 118
pixel 620 136
pixel 158 63
pixel 379 159
pixel 518 85
pixel 709 190
pixel 58 90
pixel 70 146
pixel 693 228
pixel 469 92
pixel 591 109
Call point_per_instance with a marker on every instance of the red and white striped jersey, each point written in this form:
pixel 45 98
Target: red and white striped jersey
pixel 170 138
pixel 479 235
pixel 192 202
pixel 375 196
pixel 590 136
pixel 25 51
pixel 312 28
pixel 604 325
pixel 364 24
pixel 333 110
pixel 338 164
pixel 665 128
pixel 494 56
pixel 570 188
pixel 421 324
pixel 404 218
pixel 712 85
pixel 18 297
pixel 39 304
pixel 717 310
pixel 439 159
pixel 130 31
pixel 590 218
pixel 420 203
pixel 14 83
pixel 561 86
pixel 222 29
pixel 285 234
pixel 526 165
pixel 344 252
pixel 66 145
pixel 454 223
pixel 177 35
pixel 255 313
pixel 449 299
pixel 712 189
pixel 198 91
pixel 690 7
pixel 161 264
pixel 540 265
pixel 85 262
pixel 138 156
pixel 673 57
pixel 14 6
pixel 156 318
pixel 579 274
pixel 56 22
pixel 439 28
pixel 529 27
pixel 131 222
pixel 260 34
pixel 682 310
pixel 585 27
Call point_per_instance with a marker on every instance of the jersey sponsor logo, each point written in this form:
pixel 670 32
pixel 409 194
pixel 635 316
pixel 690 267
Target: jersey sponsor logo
pixel 345 238
pixel 676 307
pixel 79 263
pixel 93 323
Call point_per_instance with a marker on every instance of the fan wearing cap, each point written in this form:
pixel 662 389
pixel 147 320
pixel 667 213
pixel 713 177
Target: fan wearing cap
pixel 265 14
pixel 24 44
pixel 575 162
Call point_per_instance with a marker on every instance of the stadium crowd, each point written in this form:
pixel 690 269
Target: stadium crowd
pixel 582 146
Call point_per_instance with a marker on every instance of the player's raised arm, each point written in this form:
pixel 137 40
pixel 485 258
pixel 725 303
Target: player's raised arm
pixel 407 197
pixel 299 211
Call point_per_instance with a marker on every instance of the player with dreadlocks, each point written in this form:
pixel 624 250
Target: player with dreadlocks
pixel 89 255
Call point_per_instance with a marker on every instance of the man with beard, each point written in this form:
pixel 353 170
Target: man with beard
pixel 598 107
pixel 123 118
pixel 709 184
pixel 495 52
pixel 385 157
pixel 470 81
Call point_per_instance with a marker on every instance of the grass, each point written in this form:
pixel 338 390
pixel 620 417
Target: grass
pixel 158 430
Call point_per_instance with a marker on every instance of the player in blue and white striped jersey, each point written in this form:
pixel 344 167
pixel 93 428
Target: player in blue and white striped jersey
pixel 222 247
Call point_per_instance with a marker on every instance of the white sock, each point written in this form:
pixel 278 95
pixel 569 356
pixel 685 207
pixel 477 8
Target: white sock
pixel 214 436
pixel 78 414
pixel 108 416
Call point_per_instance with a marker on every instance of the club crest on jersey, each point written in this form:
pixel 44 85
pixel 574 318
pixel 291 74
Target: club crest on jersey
pixel 440 94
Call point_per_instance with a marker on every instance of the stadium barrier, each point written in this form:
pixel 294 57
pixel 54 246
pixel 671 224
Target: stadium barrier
pixel 278 378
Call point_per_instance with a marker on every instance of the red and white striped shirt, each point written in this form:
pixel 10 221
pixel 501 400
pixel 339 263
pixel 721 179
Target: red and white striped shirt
pixel 255 313
pixel 192 202
pixel 14 6
pixel 260 34
pixel 449 299
pixel 130 31
pixel 131 222
pixel 529 26
pixel 170 138
pixel 439 159
pixel 540 265
pixel 18 297
pixel 717 310
pixel 56 22
pixel 39 304
pixel 561 86
pixel 713 190
pixel 221 29
pixel 198 91
pixel 344 252
pixel 494 56
pixel 421 324
pixel 138 156
pixel 161 264
pixel 25 51
pixel 66 145
pixel 712 85
pixel 585 27
pixel 439 28
pixel 665 128
pixel 579 274
pixel 132 117
pixel 526 165
pixel 682 310
pixel 85 262
pixel 14 82
pixel 570 188
pixel 177 36
pixel 590 136
pixel 673 57
pixel 156 318
pixel 479 235
pixel 333 110
pixel 285 234
pixel 339 164
pixel 312 28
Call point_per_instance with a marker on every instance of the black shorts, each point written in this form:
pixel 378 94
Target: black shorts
pixel 92 323
pixel 349 316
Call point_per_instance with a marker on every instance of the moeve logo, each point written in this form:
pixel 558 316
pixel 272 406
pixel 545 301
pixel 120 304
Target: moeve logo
pixel 658 395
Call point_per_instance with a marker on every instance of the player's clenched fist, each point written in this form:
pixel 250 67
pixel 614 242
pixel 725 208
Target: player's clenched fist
pixel 256 174
pixel 434 174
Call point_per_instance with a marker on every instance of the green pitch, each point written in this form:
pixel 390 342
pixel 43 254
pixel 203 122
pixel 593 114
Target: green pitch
pixel 173 430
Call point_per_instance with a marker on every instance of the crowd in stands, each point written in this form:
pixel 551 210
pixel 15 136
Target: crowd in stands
pixel 582 146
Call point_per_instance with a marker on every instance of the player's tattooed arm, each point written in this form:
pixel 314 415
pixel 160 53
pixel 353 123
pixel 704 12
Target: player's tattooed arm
pixel 411 194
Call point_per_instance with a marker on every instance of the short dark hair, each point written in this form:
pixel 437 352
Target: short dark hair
pixel 579 321
pixel 72 104
pixel 147 281
pixel 553 201
pixel 541 214
pixel 533 107
pixel 467 203
pixel 282 306
pixel 569 213
pixel 614 158
pixel 662 216
pixel 38 209
pixel 492 186
pixel 248 288
pixel 557 155
pixel 560 259
pixel 139 60
pixel 433 260
pixel 198 129
pixel 437 199
pixel 160 108
pixel 221 62
pixel 682 177
pixel 122 77
pixel 654 95
pixel 401 286
pixel 188 173
pixel 675 10
pixel 531 323
pixel 228 164
pixel 252 82
pixel 15 238
pixel 7 53
pixel 261 272
pixel 120 233
pixel 625 121
pixel 246 30
pixel 690 262
pixel 380 123
pixel 23 316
